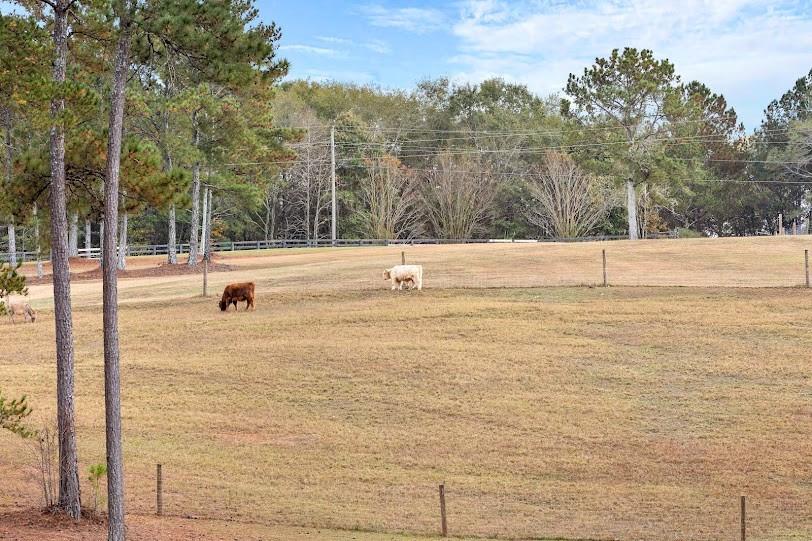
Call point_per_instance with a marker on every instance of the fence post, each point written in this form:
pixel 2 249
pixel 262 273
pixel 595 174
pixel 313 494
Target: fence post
pixel 443 523
pixel 806 266
pixel 402 258
pixel 744 520
pixel 604 268
pixel 205 277
pixel 159 492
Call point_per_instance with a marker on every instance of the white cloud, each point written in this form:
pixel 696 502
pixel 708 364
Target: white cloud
pixel 309 49
pixel 333 39
pixel 731 45
pixel 348 76
pixel 377 46
pixel 417 20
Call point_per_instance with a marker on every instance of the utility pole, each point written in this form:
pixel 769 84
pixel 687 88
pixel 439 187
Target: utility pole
pixel 334 228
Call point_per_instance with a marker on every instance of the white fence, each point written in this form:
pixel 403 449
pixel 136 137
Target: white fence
pixel 228 246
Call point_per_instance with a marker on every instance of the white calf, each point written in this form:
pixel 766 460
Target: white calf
pixel 401 274
pixel 21 309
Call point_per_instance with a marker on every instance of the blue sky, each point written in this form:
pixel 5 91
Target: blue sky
pixel 750 50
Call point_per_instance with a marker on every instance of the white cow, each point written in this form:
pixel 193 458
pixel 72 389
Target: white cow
pixel 400 274
pixel 21 309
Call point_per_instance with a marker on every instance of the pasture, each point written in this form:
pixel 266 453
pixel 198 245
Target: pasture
pixel 639 411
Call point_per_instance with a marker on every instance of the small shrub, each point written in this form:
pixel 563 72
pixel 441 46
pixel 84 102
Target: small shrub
pixel 12 414
pixel 685 233
pixel 96 472
pixel 10 282
pixel 47 466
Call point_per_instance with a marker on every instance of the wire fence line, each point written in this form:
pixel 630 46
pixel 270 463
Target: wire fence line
pixel 449 509
pixel 752 262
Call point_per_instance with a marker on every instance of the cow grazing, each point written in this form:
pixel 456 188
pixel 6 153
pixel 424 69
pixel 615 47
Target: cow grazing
pixel 405 274
pixel 234 293
pixel 21 309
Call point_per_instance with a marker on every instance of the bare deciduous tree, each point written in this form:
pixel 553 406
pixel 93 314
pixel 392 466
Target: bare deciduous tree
pixel 458 195
pixel 309 183
pixel 567 202
pixel 391 196
pixel 266 216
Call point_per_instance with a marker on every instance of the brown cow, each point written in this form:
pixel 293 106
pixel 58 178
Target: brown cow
pixel 234 293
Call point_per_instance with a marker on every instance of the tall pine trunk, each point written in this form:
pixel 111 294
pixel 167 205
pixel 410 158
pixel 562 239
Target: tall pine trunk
pixel 12 239
pixel 172 235
pixel 631 207
pixel 207 253
pixel 12 245
pixel 69 490
pixel 193 238
pixel 40 271
pixel 172 242
pixel 267 224
pixel 204 229
pixel 101 243
pixel 122 241
pixel 73 235
pixel 88 237
pixel 112 373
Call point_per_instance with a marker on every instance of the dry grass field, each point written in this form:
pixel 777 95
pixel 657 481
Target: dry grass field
pixel 550 412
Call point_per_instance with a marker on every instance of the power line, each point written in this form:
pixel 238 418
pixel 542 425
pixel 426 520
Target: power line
pixel 486 133
pixel 524 174
pixel 409 142
pixel 406 144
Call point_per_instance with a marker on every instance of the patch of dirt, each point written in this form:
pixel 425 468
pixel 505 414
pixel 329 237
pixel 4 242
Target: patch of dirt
pixel 93 271
pixel 36 524
pixel 39 525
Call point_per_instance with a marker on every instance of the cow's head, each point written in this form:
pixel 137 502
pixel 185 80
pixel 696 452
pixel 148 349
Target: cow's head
pixel 223 305
pixel 32 314
pixel 387 274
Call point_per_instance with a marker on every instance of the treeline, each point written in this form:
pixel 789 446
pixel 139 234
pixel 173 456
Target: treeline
pixel 627 148
pixel 215 147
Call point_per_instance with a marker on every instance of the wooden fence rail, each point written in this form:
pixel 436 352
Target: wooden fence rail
pixel 222 246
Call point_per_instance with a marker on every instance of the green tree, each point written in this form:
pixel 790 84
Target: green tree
pixel 782 144
pixel 13 414
pixel 23 48
pixel 634 94
pixel 59 91
pixel 10 282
